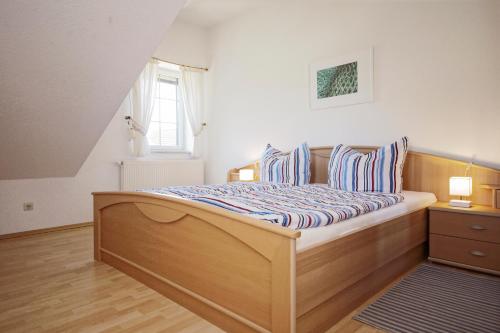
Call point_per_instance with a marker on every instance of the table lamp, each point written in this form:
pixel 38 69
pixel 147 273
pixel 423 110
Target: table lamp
pixel 246 175
pixel 461 186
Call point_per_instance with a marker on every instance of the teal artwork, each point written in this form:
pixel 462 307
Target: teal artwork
pixel 338 80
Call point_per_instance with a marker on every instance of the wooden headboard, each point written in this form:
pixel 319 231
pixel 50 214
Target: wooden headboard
pixel 422 172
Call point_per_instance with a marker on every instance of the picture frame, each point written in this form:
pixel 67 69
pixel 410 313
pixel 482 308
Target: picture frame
pixel 342 80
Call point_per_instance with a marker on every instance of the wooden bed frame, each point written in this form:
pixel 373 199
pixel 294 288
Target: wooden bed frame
pixel 245 275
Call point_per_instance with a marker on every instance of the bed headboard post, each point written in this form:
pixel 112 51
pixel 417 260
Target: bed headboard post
pixel 422 172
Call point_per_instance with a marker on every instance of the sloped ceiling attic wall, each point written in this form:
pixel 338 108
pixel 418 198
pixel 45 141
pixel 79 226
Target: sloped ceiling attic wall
pixel 65 67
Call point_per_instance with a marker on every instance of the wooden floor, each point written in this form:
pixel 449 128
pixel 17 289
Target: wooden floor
pixel 50 283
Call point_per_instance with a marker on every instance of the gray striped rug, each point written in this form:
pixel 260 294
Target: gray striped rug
pixel 436 298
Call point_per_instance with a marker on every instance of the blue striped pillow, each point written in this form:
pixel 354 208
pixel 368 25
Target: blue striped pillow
pixel 378 171
pixel 292 168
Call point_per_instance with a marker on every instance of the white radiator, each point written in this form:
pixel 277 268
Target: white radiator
pixel 137 175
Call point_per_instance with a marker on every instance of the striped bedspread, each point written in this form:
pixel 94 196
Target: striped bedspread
pixel 231 189
pixel 295 207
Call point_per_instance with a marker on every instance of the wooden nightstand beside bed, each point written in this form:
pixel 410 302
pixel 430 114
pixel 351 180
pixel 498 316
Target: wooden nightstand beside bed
pixel 246 275
pixel 465 237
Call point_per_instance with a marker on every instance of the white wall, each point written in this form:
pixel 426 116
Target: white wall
pixel 62 201
pixel 65 67
pixel 437 79
pixel 185 44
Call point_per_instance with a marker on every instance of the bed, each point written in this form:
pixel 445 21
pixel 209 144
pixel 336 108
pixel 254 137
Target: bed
pixel 246 275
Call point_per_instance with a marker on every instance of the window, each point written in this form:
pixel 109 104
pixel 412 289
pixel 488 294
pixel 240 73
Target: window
pixel 166 130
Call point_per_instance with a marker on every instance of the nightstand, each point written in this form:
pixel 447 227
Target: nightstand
pixel 465 237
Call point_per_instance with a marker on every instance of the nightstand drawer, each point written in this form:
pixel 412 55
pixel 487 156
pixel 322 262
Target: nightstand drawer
pixel 477 227
pixel 464 251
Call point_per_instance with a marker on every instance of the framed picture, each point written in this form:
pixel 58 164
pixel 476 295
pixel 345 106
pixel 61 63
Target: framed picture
pixel 343 80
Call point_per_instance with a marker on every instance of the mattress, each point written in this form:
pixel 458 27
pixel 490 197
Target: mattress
pixel 412 202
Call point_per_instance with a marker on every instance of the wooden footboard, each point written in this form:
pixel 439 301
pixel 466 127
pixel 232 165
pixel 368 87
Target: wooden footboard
pixel 234 271
pixel 241 273
pixel 335 278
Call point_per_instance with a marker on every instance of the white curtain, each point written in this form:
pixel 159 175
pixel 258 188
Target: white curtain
pixel 191 84
pixel 141 98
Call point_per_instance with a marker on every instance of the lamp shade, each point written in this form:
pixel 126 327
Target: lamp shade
pixel 246 174
pixel 461 186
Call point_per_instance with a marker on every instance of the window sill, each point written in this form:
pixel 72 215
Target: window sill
pixel 154 149
pixel 167 151
pixel 163 157
pixel 170 154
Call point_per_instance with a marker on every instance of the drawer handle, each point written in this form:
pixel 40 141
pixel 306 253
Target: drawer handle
pixel 477 253
pixel 477 227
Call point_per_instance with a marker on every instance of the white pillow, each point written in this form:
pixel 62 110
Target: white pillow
pixel 378 171
pixel 292 168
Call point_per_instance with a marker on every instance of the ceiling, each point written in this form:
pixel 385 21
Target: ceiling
pixel 65 67
pixel 208 13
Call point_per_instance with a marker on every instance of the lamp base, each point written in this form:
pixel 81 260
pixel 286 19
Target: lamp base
pixel 460 203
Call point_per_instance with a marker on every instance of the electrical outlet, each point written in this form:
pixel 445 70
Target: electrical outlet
pixel 28 206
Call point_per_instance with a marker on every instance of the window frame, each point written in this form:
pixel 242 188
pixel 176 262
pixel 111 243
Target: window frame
pixel 172 76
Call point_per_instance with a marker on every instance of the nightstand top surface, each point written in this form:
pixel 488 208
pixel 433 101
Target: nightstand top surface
pixel 491 186
pixel 475 209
